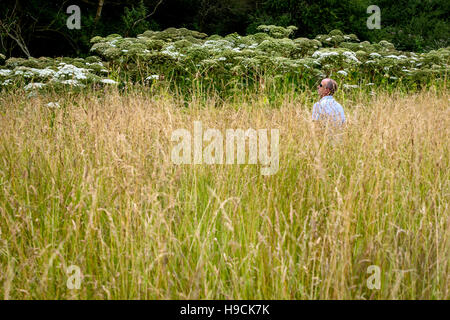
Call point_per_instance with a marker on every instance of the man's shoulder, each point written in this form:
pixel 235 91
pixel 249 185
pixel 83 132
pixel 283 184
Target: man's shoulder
pixel 328 102
pixel 336 102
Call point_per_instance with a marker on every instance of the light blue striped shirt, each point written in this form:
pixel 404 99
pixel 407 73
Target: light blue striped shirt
pixel 328 108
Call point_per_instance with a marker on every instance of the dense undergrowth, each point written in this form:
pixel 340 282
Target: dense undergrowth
pixel 186 60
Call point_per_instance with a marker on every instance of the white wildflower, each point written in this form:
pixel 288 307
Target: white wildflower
pixel 25 74
pixel 113 43
pixel 153 77
pixel 35 85
pixel 169 50
pixel 108 81
pixel 54 105
pixel 393 56
pixel 72 82
pixel 70 71
pixel 323 54
pixel 44 73
pixel 94 64
pixel 351 55
pixel 5 72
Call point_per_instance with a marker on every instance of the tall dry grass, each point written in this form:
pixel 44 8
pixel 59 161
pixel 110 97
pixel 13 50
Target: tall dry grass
pixel 92 185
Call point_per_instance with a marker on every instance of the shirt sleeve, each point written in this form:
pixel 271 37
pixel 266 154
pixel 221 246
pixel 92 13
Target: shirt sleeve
pixel 315 112
pixel 341 113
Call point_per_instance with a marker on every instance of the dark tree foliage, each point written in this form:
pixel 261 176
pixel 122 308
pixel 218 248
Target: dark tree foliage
pixel 416 25
pixel 38 27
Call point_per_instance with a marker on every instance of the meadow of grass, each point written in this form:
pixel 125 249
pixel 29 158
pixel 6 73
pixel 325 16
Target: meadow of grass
pixel 92 184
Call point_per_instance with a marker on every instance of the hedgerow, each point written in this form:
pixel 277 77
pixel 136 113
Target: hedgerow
pixel 181 57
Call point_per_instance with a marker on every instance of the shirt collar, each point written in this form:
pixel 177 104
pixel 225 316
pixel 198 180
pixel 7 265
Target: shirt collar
pixel 326 98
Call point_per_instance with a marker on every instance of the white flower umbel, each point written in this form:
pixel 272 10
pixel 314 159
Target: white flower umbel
pixel 393 56
pixel 35 85
pixel 94 64
pixel 113 43
pixel 24 72
pixel 70 71
pixel 73 83
pixel 219 45
pixel 53 105
pixel 170 51
pixel 351 55
pixel 323 54
pixel 342 72
pixel 153 77
pixel 5 72
pixel 350 86
pixel 108 81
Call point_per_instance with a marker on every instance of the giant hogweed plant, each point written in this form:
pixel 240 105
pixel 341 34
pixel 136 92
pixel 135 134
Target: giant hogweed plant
pixel 182 57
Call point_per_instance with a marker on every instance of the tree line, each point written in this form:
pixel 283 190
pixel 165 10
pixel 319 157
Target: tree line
pixel 39 27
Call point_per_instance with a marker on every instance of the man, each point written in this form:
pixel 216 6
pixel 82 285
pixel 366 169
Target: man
pixel 328 108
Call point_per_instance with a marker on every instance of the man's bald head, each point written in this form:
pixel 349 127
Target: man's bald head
pixel 331 85
pixel 327 87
